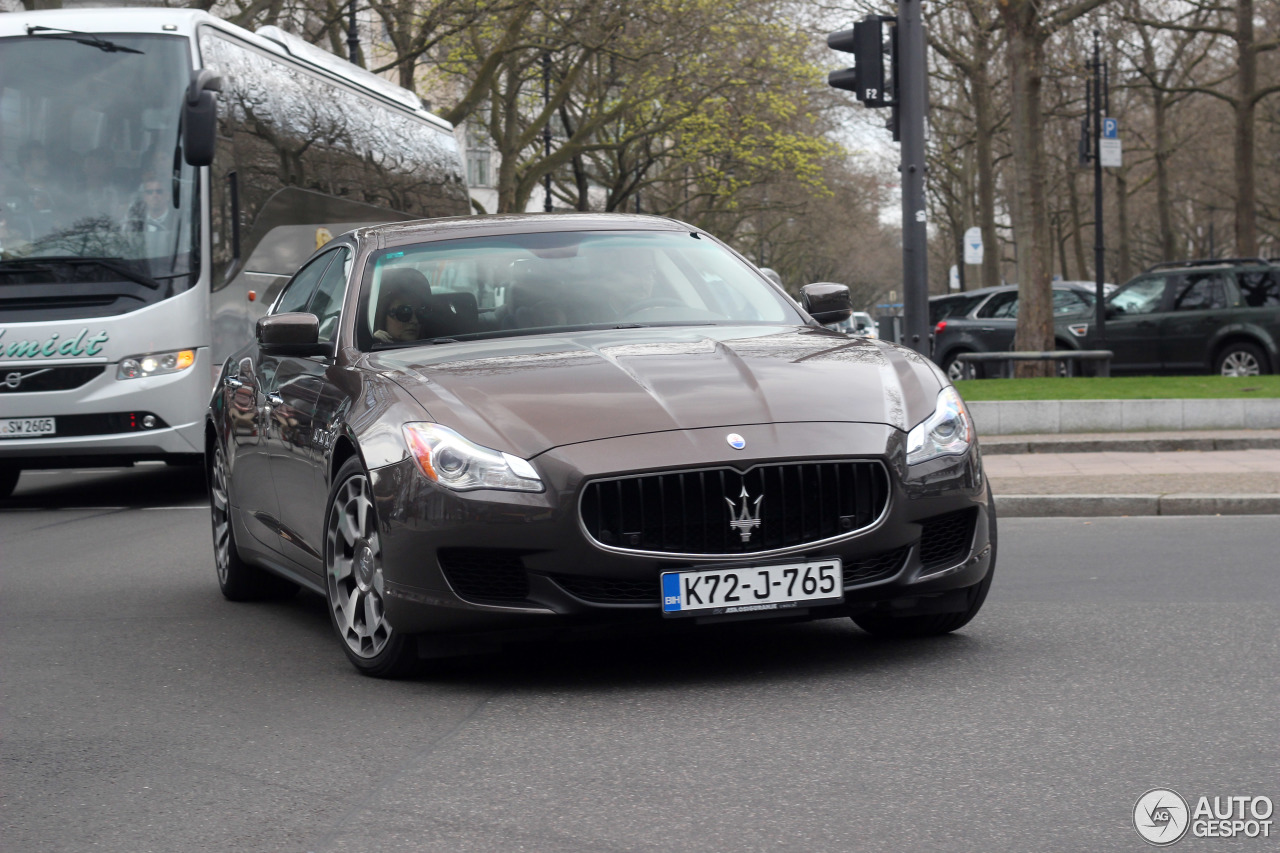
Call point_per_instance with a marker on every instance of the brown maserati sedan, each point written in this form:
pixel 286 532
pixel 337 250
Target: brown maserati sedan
pixel 464 432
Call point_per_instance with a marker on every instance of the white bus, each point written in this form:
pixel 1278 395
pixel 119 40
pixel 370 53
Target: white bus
pixel 162 173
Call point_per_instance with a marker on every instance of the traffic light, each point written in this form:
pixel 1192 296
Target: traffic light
pixel 867 79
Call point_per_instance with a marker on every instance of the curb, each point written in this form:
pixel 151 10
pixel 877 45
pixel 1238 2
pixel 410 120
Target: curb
pixel 997 445
pixel 1092 506
pixel 1011 417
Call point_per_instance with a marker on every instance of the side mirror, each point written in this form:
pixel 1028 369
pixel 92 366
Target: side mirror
pixel 200 117
pixel 291 334
pixel 826 302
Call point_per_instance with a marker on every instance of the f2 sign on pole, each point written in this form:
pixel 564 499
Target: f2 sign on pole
pixel 889 71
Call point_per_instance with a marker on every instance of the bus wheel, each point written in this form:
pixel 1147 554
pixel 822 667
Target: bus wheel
pixel 9 474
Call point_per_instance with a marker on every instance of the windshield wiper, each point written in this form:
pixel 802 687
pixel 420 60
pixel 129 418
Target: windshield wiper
pixel 112 264
pixel 82 38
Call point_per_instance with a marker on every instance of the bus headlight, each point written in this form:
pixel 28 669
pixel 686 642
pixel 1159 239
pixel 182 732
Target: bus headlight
pixel 155 364
pixel 948 431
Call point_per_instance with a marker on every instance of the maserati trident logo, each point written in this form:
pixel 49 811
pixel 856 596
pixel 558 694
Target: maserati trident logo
pixel 744 521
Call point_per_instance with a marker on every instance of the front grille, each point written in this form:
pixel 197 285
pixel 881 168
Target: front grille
pixel 946 538
pixel 26 380
pixel 694 512
pixel 486 574
pixel 621 591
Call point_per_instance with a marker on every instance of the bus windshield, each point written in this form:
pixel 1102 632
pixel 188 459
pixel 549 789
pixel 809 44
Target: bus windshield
pixel 93 184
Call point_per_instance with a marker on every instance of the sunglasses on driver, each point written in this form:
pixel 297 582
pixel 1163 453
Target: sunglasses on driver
pixel 405 313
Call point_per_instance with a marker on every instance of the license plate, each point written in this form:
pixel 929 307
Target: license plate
pixel 24 427
pixel 752 588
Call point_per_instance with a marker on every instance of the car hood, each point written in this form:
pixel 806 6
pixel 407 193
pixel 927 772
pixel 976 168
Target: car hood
pixel 527 395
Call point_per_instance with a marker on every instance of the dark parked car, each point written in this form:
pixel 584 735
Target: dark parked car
pixel 469 430
pixel 1218 316
pixel 987 322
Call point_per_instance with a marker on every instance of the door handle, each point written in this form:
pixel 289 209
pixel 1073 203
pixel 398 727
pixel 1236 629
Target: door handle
pixel 232 383
pixel 274 399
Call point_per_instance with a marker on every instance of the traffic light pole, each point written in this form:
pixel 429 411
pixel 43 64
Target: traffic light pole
pixel 904 89
pixel 912 84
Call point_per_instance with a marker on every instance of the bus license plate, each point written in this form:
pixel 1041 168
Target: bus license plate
pixel 25 427
pixel 752 588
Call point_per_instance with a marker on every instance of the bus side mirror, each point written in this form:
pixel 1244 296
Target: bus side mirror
pixel 200 117
pixel 826 302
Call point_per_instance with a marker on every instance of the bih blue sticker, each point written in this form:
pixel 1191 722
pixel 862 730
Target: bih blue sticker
pixel 670 592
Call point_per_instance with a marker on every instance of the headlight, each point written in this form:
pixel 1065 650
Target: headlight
pixel 451 460
pixel 948 431
pixel 154 364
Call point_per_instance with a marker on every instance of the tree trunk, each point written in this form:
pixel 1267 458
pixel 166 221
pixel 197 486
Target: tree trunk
pixel 1246 195
pixel 1025 57
pixel 1077 229
pixel 1164 203
pixel 1124 256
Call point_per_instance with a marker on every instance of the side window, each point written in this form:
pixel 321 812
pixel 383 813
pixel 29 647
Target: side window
pixel 1202 293
pixel 1001 305
pixel 327 302
pixel 1142 296
pixel 1260 288
pixel 297 293
pixel 1068 302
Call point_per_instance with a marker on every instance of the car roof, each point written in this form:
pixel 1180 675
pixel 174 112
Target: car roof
pixel 491 225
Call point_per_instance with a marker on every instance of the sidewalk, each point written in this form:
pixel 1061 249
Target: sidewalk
pixel 1227 472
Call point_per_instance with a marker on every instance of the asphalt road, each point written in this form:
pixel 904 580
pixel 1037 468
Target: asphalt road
pixel 141 712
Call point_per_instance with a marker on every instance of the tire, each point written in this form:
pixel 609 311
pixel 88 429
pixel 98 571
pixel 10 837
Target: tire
pixel 354 583
pixel 955 369
pixel 9 475
pixel 934 624
pixel 1241 359
pixel 239 580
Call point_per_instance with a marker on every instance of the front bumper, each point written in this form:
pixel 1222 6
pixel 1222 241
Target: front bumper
pixel 106 415
pixel 489 560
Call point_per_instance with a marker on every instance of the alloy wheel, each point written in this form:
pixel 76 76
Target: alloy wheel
pixel 1241 363
pixel 353 570
pixel 219 509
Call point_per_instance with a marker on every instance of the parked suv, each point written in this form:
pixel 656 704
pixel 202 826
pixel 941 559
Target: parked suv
pixel 1220 316
pixel 986 322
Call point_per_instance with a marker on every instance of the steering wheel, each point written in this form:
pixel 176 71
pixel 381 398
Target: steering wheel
pixel 653 302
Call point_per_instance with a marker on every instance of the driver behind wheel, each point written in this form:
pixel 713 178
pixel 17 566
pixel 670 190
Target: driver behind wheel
pixel 405 301
pixel 630 285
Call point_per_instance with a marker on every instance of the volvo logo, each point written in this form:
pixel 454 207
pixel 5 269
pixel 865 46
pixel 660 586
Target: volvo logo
pixel 743 521
pixel 14 379
pixel 736 441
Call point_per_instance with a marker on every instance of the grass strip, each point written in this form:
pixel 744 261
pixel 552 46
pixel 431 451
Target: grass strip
pixel 1121 388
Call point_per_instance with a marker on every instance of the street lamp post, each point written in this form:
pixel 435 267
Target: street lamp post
pixel 353 38
pixel 546 129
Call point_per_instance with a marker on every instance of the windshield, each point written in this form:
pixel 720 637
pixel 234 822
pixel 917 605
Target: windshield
pixel 90 166
pixel 535 283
